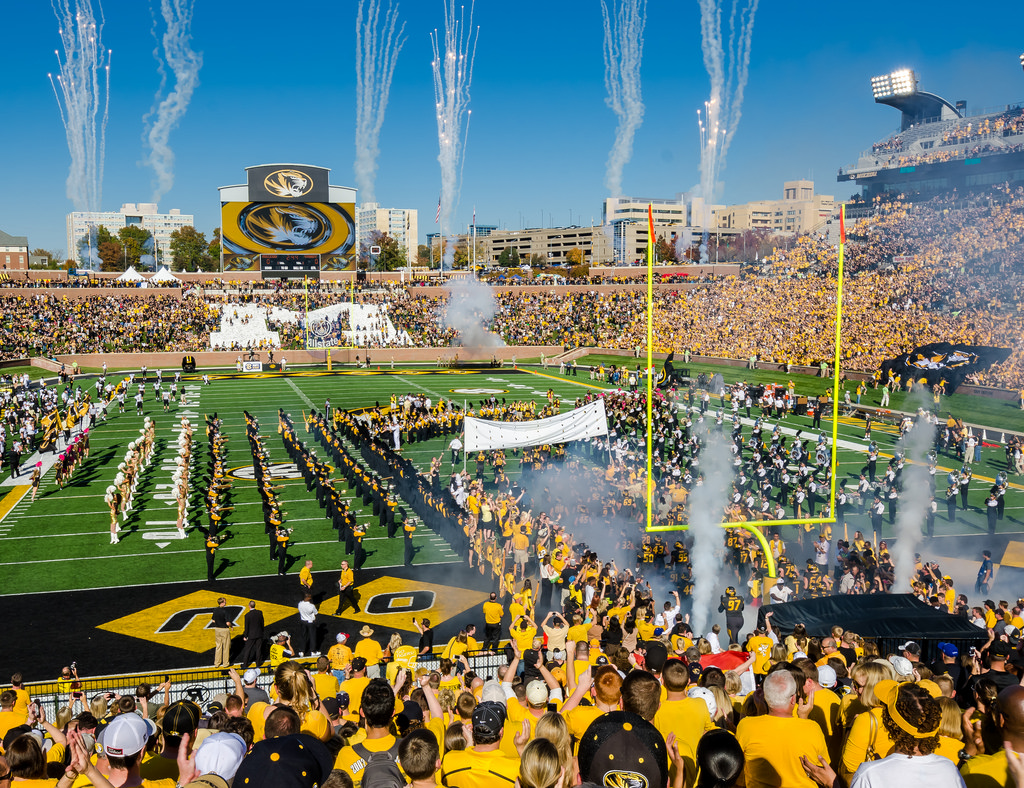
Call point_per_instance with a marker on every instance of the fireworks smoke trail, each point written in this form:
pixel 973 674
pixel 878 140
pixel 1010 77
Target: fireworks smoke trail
pixel 168 111
pixel 707 508
pixel 623 51
pixel 915 498
pixel 377 49
pixel 84 106
pixel 728 68
pixel 453 73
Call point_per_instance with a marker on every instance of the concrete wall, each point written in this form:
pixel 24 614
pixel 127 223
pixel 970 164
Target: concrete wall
pixel 378 356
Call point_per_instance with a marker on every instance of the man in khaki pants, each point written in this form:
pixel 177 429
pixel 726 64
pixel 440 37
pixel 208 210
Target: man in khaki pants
pixel 222 632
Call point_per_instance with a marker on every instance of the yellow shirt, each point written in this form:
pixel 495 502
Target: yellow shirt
pixel 340 656
pixel 762 647
pixel 370 650
pixel 773 746
pixel 523 637
pixel 986 771
pixel 354 688
pixel 688 718
pixel 305 577
pixel 472 769
pixel 826 714
pixel 577 633
pixel 326 685
pixel 453 649
pixel 493 612
pixel 349 761
pixel 867 729
pixel 347 577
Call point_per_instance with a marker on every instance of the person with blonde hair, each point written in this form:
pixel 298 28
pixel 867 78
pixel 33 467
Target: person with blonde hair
pixel 295 690
pixel 868 739
pixel 541 766
pixel 553 728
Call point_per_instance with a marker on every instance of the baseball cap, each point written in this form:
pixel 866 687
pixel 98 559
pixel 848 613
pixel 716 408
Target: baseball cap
pixel 656 656
pixel 827 676
pixel 902 666
pixel 537 693
pixel 622 748
pixel 250 676
pixel 1000 650
pixel 16 733
pixel 181 717
pixel 557 654
pixel 358 664
pixel 126 735
pixel 694 670
pixel 492 691
pixel 221 754
pixel 329 706
pixel 341 637
pixel 489 717
pixel 704 694
pixel 911 647
pixel 948 649
pixel 1012 633
pixel 293 761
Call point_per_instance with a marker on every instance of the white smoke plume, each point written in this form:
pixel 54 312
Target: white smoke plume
pixel 915 499
pixel 728 66
pixel 83 104
pixel 470 308
pixel 623 53
pixel 377 49
pixel 168 110
pixel 707 507
pixel 453 74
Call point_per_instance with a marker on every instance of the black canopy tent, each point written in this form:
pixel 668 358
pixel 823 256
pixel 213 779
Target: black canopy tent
pixel 891 619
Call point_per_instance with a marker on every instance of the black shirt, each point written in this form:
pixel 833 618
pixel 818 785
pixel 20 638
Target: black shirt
pixel 220 618
pixel 427 640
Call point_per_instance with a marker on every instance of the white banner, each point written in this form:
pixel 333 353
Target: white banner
pixel 252 366
pixel 578 424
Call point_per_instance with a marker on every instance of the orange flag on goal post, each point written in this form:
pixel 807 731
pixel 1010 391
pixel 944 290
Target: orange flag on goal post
pixel 842 224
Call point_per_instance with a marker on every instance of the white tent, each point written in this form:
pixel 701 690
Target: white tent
pixel 131 275
pixel 164 276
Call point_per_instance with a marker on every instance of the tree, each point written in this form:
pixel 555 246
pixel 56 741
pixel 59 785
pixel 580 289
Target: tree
pixel 509 258
pixel 665 251
pixel 423 255
pixel 135 243
pixel 190 251
pixel 574 256
pixel 538 260
pixel 111 255
pixel 215 246
pixel 54 258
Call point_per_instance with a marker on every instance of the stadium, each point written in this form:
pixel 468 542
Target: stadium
pixel 442 508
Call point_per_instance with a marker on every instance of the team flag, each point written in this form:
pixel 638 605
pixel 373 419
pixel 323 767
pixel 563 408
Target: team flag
pixel 842 224
pixel 437 216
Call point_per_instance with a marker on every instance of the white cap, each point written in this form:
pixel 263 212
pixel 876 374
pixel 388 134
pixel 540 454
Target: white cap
pixel 250 676
pixel 221 754
pixel 705 695
pixel 827 676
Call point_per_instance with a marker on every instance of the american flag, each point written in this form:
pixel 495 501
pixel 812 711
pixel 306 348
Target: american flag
pixel 437 216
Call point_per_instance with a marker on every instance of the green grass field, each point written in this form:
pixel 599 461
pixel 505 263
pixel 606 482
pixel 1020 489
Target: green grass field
pixel 61 541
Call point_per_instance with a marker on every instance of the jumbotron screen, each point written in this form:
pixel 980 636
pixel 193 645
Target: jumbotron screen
pixel 254 229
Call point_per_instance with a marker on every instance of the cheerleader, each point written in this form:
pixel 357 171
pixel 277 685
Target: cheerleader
pixel 112 499
pixel 37 474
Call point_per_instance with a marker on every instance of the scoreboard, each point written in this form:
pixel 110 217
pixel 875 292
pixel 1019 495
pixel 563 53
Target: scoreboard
pixel 286 265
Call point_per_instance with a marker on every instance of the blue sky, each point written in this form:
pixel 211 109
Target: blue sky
pixel 278 85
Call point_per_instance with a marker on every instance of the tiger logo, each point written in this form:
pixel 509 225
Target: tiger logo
pixel 288 183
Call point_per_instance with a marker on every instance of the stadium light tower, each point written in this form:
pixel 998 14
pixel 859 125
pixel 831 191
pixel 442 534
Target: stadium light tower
pixel 899 89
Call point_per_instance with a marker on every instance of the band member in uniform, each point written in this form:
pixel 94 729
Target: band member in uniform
pixel 283 536
pixel 212 543
pixel 358 532
pixel 409 527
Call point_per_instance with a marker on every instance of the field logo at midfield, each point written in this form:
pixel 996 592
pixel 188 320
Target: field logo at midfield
pixel 186 622
pixel 478 391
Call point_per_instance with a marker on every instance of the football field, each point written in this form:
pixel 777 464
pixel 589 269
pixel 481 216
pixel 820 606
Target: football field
pixel 62 574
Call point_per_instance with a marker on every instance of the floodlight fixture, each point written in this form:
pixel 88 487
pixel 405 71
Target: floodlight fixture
pixel 902 82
